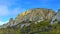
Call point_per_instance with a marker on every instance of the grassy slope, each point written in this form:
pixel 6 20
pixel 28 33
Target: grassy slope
pixel 41 28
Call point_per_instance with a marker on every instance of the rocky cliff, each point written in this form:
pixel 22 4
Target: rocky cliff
pixel 56 17
pixel 32 16
pixel 9 24
pixel 35 15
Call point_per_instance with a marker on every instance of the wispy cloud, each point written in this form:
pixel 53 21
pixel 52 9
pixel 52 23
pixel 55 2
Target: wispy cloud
pixel 5 5
pixel 5 9
pixel 1 22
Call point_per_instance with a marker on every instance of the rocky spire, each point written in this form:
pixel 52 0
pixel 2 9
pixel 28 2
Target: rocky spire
pixel 56 17
pixel 11 21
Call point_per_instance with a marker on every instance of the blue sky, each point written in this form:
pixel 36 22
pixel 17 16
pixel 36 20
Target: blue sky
pixel 11 8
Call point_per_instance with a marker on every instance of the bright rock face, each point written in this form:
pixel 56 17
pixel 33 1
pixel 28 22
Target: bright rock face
pixel 32 16
pixel 58 16
pixel 35 14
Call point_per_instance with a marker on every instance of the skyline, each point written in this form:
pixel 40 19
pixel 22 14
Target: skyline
pixel 11 8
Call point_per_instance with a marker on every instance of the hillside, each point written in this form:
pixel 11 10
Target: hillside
pixel 33 21
pixel 40 28
pixel 31 16
pixel 35 15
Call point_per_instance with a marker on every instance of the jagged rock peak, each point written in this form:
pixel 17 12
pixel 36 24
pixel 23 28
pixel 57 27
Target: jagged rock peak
pixel 11 19
pixel 31 16
pixel 56 17
pixel 36 14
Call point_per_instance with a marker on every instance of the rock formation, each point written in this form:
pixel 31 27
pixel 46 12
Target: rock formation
pixel 56 17
pixel 32 16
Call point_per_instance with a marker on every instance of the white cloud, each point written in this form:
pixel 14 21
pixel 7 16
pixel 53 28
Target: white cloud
pixel 4 9
pixel 5 5
pixel 5 12
pixel 1 22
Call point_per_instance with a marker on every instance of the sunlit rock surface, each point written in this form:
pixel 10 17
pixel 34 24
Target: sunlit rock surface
pixel 32 16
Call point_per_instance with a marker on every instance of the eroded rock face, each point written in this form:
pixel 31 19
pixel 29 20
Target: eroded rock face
pixel 32 15
pixel 56 17
pixel 10 23
pixel 35 15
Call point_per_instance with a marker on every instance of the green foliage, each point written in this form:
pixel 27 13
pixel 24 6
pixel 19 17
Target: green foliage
pixel 40 28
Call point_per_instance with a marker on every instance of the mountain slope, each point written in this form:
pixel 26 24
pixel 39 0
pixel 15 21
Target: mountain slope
pixel 33 21
pixel 32 16
pixel 56 17
pixel 35 15
pixel 40 28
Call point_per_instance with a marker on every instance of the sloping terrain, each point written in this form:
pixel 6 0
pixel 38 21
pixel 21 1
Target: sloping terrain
pixel 33 21
pixel 35 15
pixel 40 28
pixel 31 16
